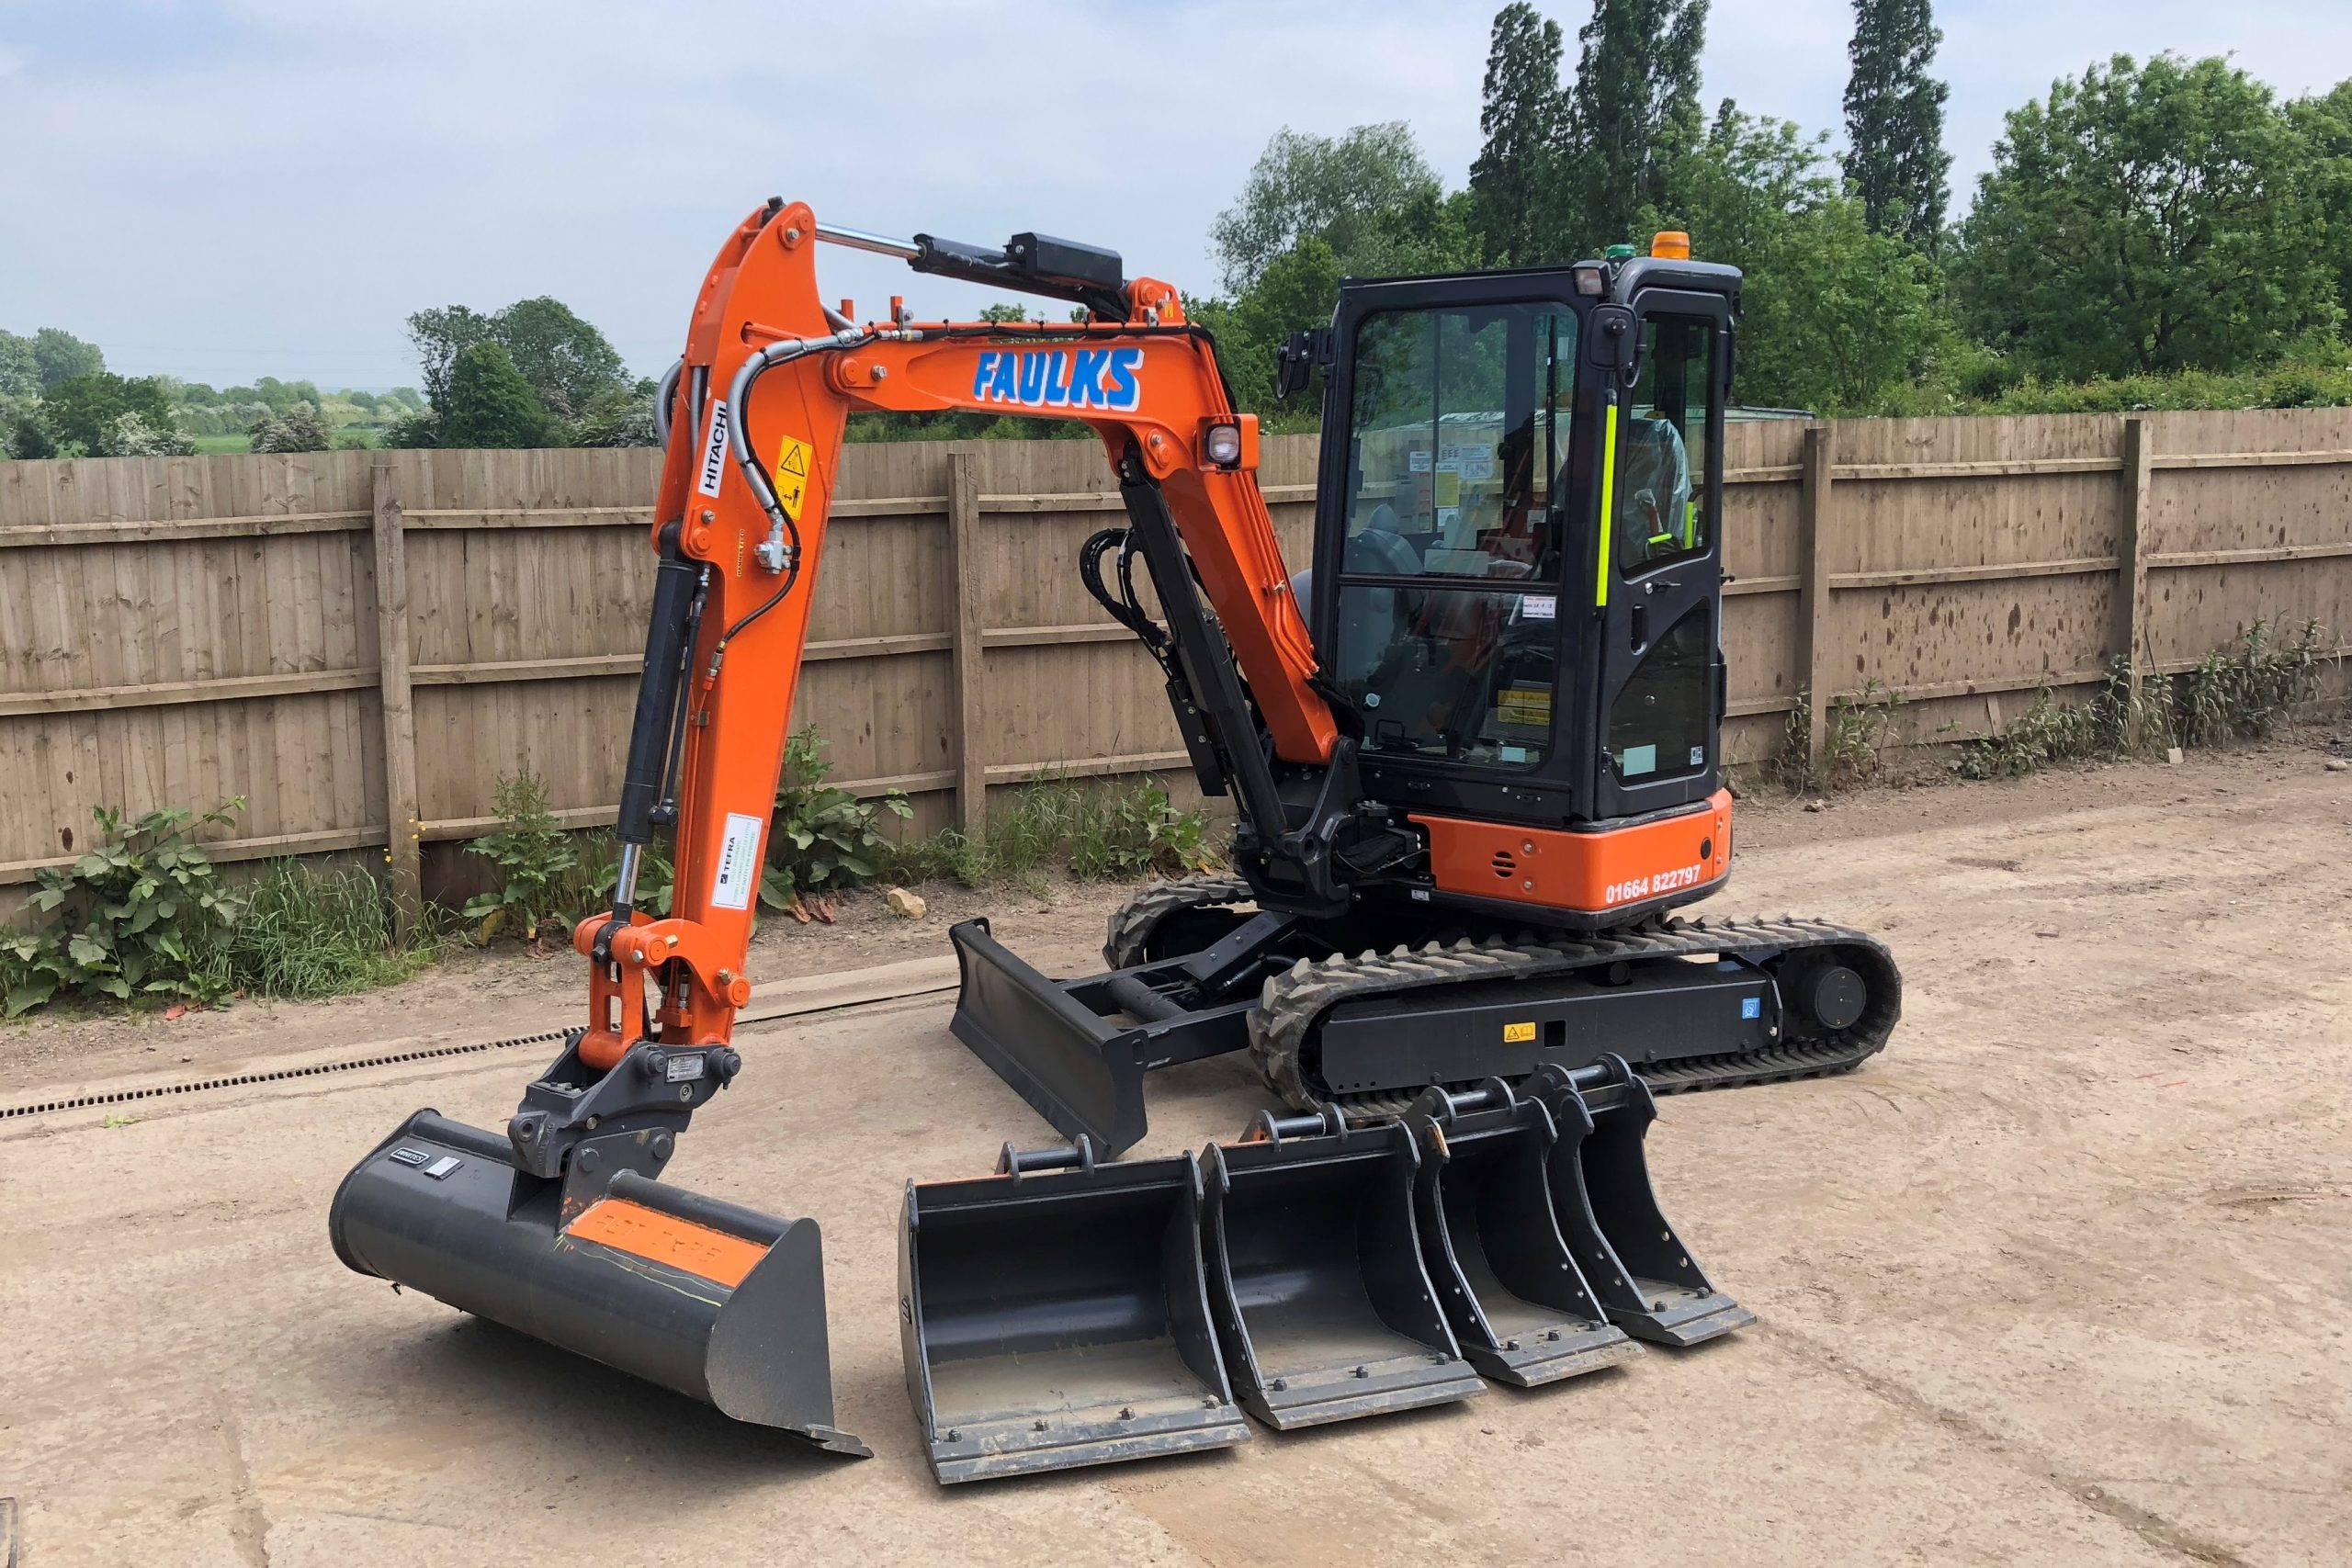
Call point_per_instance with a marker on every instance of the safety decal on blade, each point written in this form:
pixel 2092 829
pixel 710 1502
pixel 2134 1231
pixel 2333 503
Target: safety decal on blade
pixel 792 476
pixel 739 864
pixel 714 450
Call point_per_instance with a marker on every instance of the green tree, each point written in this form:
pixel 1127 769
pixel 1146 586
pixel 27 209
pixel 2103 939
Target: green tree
pixel 19 366
pixel 566 360
pixel 488 403
pixel 1360 193
pixel 300 429
pixel 81 412
pixel 2325 125
pixel 1522 115
pixel 62 356
pixel 1833 317
pixel 2147 218
pixel 1298 288
pixel 1633 117
pixel 1894 120
pixel 439 336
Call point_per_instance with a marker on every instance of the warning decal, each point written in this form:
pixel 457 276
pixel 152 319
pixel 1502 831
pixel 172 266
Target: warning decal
pixel 1518 1033
pixel 792 476
pixel 739 864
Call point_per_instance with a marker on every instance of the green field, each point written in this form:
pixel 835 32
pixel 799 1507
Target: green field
pixel 210 445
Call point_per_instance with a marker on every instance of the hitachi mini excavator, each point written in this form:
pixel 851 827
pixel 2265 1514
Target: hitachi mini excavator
pixel 1474 751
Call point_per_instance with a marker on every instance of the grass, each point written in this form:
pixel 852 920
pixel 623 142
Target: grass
pixel 1860 728
pixel 215 445
pixel 311 931
pixel 1096 832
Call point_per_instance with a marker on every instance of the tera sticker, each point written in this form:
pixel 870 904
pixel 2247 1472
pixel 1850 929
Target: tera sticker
pixel 792 476
pixel 739 864
pixel 714 450
pixel 1060 379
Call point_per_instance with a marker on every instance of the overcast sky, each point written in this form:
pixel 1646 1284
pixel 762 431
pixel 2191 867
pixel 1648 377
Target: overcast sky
pixel 229 189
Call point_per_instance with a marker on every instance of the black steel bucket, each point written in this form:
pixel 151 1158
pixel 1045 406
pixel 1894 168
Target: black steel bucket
pixel 1321 1299
pixel 722 1303
pixel 1054 1316
pixel 1639 1270
pixel 1515 1299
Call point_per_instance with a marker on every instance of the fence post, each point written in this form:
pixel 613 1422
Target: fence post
pixel 965 638
pixel 399 720
pixel 1813 609
pixel 2132 561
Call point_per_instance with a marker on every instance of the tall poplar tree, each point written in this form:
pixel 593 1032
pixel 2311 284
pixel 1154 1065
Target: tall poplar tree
pixel 1634 114
pixel 1514 184
pixel 1894 120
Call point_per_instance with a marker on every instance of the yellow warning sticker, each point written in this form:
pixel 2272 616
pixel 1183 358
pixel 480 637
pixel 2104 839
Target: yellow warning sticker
pixel 1518 1033
pixel 792 476
pixel 1524 705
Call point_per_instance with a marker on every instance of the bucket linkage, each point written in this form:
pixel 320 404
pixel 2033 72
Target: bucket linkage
pixel 1321 1301
pixel 1055 1314
pixel 1513 1295
pixel 1640 1271
pixel 559 1231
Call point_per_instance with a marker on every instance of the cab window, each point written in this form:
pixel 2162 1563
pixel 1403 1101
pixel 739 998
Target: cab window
pixel 1659 505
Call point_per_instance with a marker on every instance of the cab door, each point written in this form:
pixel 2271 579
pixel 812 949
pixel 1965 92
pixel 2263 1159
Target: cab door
pixel 1657 580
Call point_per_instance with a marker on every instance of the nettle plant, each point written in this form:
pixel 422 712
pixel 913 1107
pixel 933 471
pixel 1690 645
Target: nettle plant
pixel 137 916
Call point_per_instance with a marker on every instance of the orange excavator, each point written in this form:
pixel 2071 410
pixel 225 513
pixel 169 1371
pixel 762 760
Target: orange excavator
pixel 1474 751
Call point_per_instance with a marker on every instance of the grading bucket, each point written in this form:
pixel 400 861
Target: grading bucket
pixel 721 1302
pixel 1515 1299
pixel 1054 1316
pixel 1321 1299
pixel 1639 1270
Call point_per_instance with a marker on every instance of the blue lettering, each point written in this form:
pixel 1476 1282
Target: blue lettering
pixel 981 371
pixel 1034 370
pixel 1124 392
pixel 1056 384
pixel 1086 378
pixel 1000 387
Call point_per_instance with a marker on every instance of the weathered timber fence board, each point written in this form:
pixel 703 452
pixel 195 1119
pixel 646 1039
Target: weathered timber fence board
pixel 181 630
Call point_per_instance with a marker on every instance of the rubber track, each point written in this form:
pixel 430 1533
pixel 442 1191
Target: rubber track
pixel 1133 921
pixel 1282 1022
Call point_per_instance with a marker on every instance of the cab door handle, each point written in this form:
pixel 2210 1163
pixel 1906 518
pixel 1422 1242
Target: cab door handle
pixel 1640 623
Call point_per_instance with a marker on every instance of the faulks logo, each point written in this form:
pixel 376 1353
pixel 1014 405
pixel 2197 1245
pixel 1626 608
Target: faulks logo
pixel 1060 379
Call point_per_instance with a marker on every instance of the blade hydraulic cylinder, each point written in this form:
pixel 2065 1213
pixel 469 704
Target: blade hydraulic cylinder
pixel 1321 1301
pixel 1514 1296
pixel 1054 1316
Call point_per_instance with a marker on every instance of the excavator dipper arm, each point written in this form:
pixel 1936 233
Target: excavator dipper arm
pixel 756 418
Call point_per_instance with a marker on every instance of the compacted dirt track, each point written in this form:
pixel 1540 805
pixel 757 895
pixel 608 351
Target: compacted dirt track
pixel 2063 1276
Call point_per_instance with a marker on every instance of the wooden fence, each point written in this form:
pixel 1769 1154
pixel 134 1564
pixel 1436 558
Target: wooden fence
pixel 360 643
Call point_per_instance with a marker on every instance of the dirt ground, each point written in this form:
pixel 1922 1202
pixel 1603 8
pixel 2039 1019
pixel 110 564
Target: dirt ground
pixel 2061 1277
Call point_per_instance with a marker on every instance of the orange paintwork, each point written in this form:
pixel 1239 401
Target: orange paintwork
pixel 668 1240
pixel 1143 382
pixel 1679 857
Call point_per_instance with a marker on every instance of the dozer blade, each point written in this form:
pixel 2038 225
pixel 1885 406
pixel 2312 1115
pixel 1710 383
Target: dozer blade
pixel 1639 1270
pixel 1515 1299
pixel 721 1302
pixel 1321 1299
pixel 1054 1316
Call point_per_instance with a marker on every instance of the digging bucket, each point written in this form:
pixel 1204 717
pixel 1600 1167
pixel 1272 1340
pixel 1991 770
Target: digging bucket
pixel 1504 1277
pixel 1638 1269
pixel 1054 1316
pixel 720 1303
pixel 1321 1299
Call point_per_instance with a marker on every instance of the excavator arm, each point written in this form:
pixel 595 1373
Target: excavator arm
pixel 754 419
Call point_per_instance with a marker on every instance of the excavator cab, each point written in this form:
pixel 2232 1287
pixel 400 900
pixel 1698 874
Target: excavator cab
pixel 1517 573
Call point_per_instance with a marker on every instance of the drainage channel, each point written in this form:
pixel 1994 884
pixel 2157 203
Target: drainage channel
pixel 201 1085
